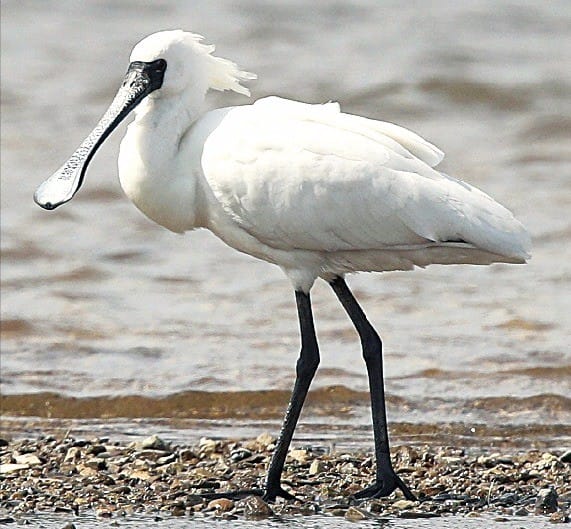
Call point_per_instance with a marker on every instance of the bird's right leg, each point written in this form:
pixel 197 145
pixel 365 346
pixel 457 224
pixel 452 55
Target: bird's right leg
pixel 305 370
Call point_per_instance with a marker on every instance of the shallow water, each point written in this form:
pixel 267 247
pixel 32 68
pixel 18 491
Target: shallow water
pixel 97 301
pixel 314 522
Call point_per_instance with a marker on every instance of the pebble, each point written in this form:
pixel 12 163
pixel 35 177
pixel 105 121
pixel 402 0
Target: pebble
pixel 546 501
pixel 255 508
pixel 298 455
pixel 317 467
pixel 355 514
pixel 154 442
pixel 264 440
pixel 403 504
pixel 559 517
pixel 221 504
pixel 153 478
pixel 27 459
pixel 11 468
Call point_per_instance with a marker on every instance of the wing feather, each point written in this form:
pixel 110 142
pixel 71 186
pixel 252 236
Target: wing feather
pixel 299 176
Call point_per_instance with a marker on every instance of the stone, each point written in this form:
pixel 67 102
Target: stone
pixel 546 501
pixel 356 514
pixel 317 467
pixel 11 468
pixel 403 504
pixel 298 455
pixel 73 455
pixel 154 442
pixel 221 505
pixel 264 440
pixel 255 508
pixel 28 459
pixel 559 517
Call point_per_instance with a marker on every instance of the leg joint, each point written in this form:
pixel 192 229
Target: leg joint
pixel 308 362
pixel 372 345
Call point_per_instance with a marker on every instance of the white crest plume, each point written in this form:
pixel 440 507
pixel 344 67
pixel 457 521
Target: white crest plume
pixel 223 74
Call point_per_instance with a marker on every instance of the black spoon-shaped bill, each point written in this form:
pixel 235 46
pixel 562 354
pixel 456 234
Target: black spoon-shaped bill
pixel 141 79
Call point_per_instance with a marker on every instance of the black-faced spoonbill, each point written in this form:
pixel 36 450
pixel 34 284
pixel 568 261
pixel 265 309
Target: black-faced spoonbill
pixel 315 191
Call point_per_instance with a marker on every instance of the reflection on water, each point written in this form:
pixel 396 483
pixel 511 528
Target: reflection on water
pixel 97 301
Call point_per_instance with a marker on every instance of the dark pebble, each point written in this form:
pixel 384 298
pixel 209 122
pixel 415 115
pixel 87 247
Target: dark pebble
pixel 546 501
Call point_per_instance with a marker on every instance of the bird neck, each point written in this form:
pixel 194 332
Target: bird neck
pixel 151 164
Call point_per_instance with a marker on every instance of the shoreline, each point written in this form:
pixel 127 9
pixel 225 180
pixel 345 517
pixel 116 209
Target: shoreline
pixel 116 479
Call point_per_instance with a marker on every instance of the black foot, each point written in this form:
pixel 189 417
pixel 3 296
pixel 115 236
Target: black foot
pixel 272 493
pixel 384 487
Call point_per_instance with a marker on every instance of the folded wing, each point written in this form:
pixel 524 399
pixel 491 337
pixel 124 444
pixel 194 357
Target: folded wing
pixel 299 176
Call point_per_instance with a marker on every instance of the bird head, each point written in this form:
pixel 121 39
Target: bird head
pixel 166 64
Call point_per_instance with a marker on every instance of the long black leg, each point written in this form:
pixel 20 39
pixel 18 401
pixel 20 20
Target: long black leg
pixel 386 478
pixel 305 370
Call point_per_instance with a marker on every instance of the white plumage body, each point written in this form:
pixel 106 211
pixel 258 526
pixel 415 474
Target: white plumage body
pixel 307 187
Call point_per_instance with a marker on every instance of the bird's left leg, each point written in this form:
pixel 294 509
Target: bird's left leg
pixel 387 479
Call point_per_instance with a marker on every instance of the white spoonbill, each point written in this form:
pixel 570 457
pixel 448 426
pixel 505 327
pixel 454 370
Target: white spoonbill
pixel 318 192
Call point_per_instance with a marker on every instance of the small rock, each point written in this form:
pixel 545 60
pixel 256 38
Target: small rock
pixel 96 463
pixel 337 511
pixel 143 475
pixel 403 504
pixel 69 525
pixel 546 501
pixel 207 446
pixel 103 513
pixel 375 505
pixel 221 505
pixel 240 454
pixel 356 514
pixel 154 442
pixel 96 449
pixel 28 459
pixel 264 440
pixel 559 517
pixel 3 442
pixel 317 467
pixel 299 455
pixel 566 457
pixel 72 455
pixel 165 460
pixel 255 508
pixel 11 468
pixel 151 454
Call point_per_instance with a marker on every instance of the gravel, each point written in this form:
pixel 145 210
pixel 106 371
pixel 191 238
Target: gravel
pixel 115 480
